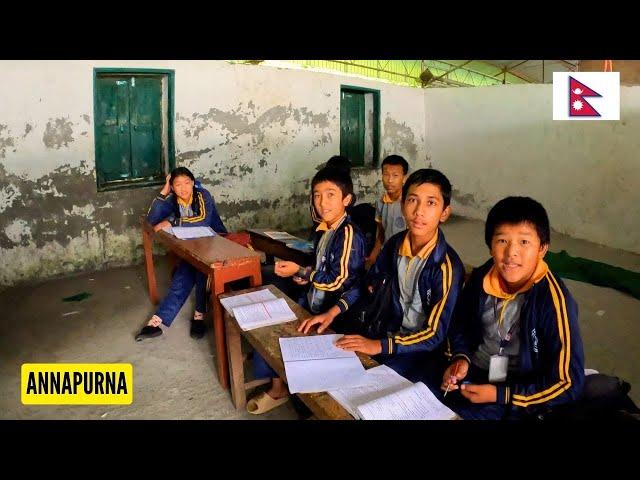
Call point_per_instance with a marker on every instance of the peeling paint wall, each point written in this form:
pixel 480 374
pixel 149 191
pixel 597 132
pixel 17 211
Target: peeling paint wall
pixel 497 141
pixel 254 136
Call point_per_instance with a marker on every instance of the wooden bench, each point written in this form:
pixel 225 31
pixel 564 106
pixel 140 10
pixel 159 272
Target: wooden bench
pixel 265 342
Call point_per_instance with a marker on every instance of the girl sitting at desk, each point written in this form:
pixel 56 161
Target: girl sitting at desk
pixel 182 202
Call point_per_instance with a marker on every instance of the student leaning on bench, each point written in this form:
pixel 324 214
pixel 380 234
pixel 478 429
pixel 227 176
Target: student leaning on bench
pixel 334 281
pixel 425 276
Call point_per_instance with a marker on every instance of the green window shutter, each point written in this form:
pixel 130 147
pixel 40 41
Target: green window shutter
pixel 352 126
pixel 146 126
pixel 113 159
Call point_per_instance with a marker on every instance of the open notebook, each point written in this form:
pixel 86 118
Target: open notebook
pixel 391 397
pixel 258 309
pixel 315 364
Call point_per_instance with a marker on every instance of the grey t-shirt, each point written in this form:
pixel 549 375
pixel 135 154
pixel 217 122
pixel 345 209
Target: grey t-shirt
pixel 493 332
pixel 389 214
pixel 409 270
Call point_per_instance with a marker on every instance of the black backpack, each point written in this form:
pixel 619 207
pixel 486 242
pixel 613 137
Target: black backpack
pixel 364 216
pixel 604 397
pixel 371 316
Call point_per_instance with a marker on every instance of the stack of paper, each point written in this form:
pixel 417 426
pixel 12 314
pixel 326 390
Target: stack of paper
pixel 392 397
pixel 315 364
pixel 385 381
pixel 258 309
pixel 416 402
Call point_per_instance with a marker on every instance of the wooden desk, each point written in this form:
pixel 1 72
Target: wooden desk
pixel 221 259
pixel 265 341
pixel 278 248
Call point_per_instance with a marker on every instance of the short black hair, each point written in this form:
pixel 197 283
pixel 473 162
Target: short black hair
pixel 180 172
pixel 429 175
pixel 396 160
pixel 335 175
pixel 515 210
pixel 339 161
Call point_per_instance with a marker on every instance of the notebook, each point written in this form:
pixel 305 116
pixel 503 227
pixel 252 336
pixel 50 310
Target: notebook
pixel 391 397
pixel 260 308
pixel 315 364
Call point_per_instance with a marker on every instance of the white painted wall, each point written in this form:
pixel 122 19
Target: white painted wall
pixel 497 141
pixel 255 136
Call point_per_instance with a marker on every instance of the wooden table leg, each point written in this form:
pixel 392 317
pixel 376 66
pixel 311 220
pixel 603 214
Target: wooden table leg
pixel 255 280
pixel 218 327
pixel 147 244
pixel 234 347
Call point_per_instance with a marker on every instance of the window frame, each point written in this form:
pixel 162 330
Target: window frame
pixel 170 160
pixel 375 161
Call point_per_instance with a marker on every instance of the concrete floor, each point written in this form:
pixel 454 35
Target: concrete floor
pixel 174 376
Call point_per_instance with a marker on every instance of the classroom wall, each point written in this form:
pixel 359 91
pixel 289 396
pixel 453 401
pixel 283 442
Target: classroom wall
pixel 254 135
pixel 497 141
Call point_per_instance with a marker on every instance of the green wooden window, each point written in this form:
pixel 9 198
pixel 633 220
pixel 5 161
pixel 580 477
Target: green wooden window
pixel 360 125
pixel 133 112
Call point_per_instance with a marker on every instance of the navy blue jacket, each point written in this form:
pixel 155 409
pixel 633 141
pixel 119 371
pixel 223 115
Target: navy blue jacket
pixel 439 284
pixel 551 357
pixel 341 268
pixel 163 208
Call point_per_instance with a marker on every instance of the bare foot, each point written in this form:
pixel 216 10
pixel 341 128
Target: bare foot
pixel 278 389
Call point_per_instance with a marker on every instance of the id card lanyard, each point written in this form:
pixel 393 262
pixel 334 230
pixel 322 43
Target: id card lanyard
pixel 504 341
pixel 499 364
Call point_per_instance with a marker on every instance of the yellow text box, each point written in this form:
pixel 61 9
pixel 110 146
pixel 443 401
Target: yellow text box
pixel 77 384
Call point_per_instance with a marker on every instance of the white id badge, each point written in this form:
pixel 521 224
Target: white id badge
pixel 498 368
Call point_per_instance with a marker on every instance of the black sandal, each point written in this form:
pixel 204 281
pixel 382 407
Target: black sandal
pixel 148 332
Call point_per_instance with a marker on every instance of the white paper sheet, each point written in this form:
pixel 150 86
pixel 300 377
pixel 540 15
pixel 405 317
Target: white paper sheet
pixel 316 347
pixel 263 295
pixel 384 381
pixel 309 376
pixel 416 402
pixel 185 233
pixel 280 235
pixel 263 314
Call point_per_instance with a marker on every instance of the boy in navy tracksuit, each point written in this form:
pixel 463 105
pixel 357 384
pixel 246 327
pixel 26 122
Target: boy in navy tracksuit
pixel 334 280
pixel 182 202
pixel 515 336
pixel 426 275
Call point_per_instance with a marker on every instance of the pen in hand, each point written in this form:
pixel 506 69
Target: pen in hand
pixel 455 372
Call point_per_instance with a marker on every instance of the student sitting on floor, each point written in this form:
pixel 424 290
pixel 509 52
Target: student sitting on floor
pixel 334 281
pixel 182 203
pixel 424 275
pixel 515 337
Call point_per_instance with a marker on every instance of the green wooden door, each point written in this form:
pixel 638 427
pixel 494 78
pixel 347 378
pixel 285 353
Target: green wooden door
pixel 113 144
pixel 128 128
pixel 352 126
pixel 146 127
